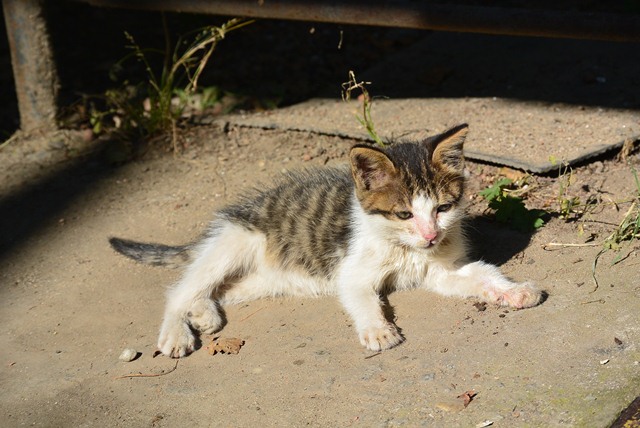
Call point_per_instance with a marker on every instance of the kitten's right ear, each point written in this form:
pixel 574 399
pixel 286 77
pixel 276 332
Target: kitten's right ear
pixel 371 168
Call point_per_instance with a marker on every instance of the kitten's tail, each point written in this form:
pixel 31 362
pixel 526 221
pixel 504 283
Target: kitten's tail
pixel 153 254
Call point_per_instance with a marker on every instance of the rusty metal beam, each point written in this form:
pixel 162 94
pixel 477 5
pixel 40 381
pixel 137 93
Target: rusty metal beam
pixel 412 14
pixel 34 70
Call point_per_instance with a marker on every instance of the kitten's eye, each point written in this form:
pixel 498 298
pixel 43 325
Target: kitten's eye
pixel 444 208
pixel 403 215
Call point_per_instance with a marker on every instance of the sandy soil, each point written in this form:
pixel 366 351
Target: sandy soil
pixel 70 305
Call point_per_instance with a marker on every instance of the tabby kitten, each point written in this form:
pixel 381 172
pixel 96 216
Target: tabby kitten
pixel 392 222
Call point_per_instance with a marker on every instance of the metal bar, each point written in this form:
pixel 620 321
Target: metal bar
pixel 412 14
pixel 34 71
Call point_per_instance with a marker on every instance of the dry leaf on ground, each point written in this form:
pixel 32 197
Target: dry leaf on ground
pixel 230 345
pixel 457 404
pixel 466 397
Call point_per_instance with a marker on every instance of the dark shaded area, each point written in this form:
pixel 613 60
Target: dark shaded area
pixel 578 5
pixel 29 209
pixel 284 62
pixel 9 115
pixel 450 65
pixel 494 242
pixel 272 62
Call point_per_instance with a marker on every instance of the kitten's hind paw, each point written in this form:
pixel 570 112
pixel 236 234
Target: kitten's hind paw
pixel 176 339
pixel 204 316
pixel 379 338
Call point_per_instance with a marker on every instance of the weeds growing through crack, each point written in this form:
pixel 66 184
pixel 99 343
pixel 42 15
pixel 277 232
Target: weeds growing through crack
pixel 627 231
pixel 366 119
pixel 567 206
pixel 571 208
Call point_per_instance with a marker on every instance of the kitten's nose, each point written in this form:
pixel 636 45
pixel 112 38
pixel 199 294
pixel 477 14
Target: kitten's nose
pixel 430 236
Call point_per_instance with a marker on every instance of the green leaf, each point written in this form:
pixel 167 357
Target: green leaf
pixel 495 190
pixel 511 210
pixel 538 223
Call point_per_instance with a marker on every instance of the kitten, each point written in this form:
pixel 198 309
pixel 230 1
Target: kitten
pixel 392 222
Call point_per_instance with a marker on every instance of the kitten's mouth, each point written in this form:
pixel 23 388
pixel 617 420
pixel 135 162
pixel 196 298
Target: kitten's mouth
pixel 430 244
pixel 422 244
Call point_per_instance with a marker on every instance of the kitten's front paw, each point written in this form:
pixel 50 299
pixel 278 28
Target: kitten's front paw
pixel 204 316
pixel 176 339
pixel 524 295
pixel 379 338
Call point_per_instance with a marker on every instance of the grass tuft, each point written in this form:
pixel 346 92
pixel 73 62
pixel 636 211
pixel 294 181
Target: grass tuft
pixel 366 120
pixel 155 105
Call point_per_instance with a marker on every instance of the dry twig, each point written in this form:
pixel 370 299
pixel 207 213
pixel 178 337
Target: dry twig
pixel 149 374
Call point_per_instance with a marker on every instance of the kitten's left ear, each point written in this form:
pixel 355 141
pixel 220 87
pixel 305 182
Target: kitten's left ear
pixel 446 148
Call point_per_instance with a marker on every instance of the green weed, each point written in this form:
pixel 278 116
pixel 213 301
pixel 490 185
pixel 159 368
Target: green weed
pixel 572 208
pixel 629 227
pixel 366 120
pixel 155 105
pixel 568 206
pixel 509 208
pixel 627 231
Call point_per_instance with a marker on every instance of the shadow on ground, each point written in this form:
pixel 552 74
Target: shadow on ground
pixel 493 242
pixel 25 211
pixel 451 65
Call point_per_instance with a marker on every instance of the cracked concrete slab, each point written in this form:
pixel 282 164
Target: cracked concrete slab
pixel 543 135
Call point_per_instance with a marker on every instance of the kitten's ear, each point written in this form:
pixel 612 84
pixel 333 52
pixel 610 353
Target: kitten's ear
pixel 446 148
pixel 371 168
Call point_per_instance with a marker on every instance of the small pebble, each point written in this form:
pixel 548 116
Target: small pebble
pixel 429 376
pixel 128 354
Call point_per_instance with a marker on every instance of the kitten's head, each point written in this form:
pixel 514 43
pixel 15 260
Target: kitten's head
pixel 414 189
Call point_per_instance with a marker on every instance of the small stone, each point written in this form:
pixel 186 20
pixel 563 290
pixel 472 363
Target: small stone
pixel 57 144
pixel 429 377
pixel 128 354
